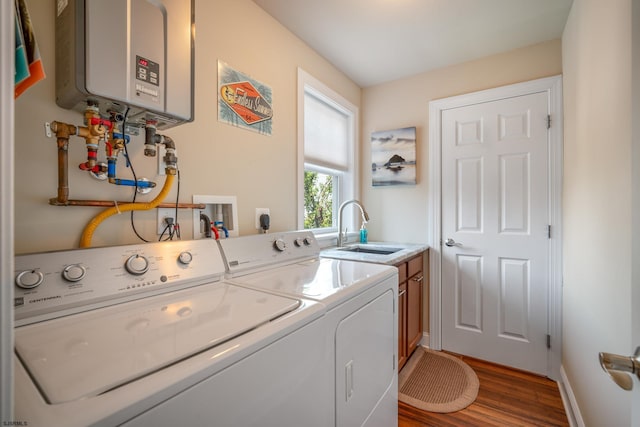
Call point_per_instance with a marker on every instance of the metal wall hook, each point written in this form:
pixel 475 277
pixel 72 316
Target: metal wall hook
pixel 618 367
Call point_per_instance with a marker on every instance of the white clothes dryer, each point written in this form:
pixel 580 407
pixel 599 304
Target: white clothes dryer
pixel 360 325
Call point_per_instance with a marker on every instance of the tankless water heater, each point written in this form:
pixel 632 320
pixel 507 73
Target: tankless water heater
pixel 119 53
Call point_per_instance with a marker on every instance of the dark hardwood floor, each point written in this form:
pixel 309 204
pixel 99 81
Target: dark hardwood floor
pixel 507 397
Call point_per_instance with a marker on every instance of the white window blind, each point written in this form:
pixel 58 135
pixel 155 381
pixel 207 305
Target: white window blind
pixel 326 134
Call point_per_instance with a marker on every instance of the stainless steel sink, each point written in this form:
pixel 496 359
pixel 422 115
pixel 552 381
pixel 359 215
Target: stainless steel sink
pixel 371 250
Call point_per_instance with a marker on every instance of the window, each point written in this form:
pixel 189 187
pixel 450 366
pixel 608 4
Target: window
pixel 326 160
pixel 319 199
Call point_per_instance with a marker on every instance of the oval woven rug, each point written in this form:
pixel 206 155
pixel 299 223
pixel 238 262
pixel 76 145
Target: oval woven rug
pixel 437 382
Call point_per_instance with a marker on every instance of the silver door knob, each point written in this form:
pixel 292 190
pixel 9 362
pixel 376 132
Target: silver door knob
pixel 618 368
pixel 450 242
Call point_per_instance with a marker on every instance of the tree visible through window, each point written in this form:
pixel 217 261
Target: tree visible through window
pixel 318 200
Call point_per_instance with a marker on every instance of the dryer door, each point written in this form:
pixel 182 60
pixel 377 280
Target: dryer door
pixel 365 360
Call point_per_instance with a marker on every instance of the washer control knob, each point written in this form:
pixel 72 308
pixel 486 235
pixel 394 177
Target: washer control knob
pixel 185 258
pixel 74 272
pixel 280 245
pixel 308 241
pixel 299 241
pixel 29 279
pixel 137 264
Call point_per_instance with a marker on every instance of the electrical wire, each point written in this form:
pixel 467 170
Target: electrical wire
pixel 177 224
pixel 133 171
pixel 173 229
pixel 169 228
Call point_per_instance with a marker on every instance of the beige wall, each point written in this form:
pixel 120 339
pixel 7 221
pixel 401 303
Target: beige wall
pixel 219 159
pixel 400 213
pixel 596 48
pixel 214 158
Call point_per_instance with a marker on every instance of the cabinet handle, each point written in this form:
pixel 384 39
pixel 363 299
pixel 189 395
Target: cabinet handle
pixel 419 279
pixel 402 292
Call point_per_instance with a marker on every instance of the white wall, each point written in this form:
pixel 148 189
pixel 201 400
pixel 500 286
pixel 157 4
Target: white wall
pixel 214 158
pixel 596 47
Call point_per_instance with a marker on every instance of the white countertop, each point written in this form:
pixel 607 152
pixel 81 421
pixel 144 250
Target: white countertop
pixel 404 252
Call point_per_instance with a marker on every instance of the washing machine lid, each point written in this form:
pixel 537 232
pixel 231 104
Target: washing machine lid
pixel 89 353
pixel 320 279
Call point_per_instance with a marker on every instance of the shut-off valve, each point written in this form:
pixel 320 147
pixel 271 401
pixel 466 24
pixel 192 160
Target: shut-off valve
pixel 151 139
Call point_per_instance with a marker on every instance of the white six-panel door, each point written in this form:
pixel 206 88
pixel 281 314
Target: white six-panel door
pixel 495 217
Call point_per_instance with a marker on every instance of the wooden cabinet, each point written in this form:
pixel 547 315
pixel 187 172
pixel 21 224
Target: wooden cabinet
pixel 411 282
pixel 402 325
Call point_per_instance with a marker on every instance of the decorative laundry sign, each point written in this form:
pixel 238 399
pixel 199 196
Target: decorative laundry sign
pixel 246 102
pixel 243 101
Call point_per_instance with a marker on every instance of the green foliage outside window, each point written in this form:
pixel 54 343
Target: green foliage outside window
pixel 318 200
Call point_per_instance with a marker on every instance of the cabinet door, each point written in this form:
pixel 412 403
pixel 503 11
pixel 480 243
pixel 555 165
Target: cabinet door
pixel 414 302
pixel 402 325
pixel 414 312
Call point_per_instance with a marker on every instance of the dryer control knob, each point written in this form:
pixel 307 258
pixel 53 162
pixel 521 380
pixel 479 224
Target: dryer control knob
pixel 299 241
pixel 137 265
pixel 29 279
pixel 74 272
pixel 308 241
pixel 280 245
pixel 185 257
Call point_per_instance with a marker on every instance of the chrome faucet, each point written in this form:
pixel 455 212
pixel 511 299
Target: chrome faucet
pixel 365 218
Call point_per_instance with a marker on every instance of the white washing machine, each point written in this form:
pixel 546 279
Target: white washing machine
pixel 151 335
pixel 361 321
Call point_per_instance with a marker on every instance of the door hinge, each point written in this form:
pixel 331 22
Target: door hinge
pixel 548 341
pixel 549 231
pixel 548 121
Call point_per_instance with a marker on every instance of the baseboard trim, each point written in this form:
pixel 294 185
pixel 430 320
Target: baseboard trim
pixel 425 340
pixel 569 400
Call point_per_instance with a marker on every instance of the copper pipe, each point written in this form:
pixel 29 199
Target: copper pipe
pixel 63 160
pixel 111 203
pixel 63 132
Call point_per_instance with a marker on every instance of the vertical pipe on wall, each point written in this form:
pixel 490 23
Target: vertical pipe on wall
pixel 7 52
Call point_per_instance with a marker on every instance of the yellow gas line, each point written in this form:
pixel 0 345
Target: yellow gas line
pixel 87 234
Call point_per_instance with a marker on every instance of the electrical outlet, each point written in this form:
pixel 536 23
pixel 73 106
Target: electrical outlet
pixel 162 214
pixel 260 211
